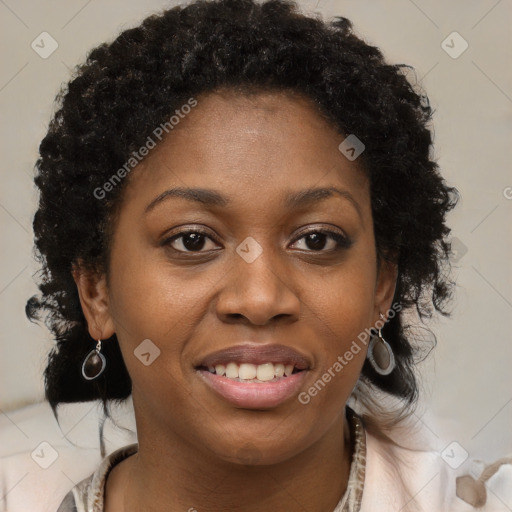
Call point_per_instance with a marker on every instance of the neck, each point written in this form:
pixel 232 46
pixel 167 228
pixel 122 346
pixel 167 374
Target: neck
pixel 166 470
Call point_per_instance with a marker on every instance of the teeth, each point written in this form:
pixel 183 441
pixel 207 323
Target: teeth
pixel 220 369
pixel 247 371
pixel 265 371
pixel 232 370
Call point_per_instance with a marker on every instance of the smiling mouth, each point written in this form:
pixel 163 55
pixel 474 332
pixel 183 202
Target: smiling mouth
pixel 254 376
pixel 248 372
pixel 265 390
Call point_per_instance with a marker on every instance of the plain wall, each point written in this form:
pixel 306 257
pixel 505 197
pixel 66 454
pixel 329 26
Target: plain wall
pixel 467 379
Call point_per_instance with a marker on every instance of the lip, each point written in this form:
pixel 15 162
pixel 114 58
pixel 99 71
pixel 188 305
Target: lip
pixel 256 354
pixel 255 395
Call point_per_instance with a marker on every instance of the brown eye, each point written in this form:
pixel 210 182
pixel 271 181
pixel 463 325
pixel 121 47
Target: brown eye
pixel 188 241
pixel 317 239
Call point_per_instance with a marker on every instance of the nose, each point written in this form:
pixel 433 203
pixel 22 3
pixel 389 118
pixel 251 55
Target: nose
pixel 258 292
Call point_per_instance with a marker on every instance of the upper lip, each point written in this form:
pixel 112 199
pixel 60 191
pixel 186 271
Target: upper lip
pixel 256 354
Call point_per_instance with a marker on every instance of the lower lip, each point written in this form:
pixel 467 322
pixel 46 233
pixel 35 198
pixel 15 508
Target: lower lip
pixel 254 395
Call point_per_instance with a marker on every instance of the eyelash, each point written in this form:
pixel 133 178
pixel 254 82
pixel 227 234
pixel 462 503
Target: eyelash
pixel 342 242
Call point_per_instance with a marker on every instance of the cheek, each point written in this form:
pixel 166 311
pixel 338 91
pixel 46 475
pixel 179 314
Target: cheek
pixel 152 301
pixel 342 304
pixel 341 312
pixel 150 298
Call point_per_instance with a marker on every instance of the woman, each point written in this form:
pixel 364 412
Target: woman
pixel 237 209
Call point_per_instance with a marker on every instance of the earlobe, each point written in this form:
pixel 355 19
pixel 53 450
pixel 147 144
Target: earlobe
pixel 93 293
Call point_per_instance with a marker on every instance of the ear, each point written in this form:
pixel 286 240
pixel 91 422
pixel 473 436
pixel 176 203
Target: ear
pixel 93 293
pixel 385 286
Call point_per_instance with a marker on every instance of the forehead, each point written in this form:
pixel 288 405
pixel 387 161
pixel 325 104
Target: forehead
pixel 254 146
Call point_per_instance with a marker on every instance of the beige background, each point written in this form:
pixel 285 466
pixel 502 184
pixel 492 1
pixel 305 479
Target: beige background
pixel 467 382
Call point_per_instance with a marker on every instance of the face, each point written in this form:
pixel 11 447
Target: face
pixel 247 265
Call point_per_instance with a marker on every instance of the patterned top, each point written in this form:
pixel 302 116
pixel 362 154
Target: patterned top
pixel 88 495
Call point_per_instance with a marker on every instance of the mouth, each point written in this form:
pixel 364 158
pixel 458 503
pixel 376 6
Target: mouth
pixel 254 376
pixel 248 372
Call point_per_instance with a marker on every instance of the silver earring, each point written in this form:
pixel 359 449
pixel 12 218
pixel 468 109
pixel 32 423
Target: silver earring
pixel 94 364
pixel 381 354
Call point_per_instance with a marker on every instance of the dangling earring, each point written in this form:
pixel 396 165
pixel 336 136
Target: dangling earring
pixel 381 354
pixel 94 363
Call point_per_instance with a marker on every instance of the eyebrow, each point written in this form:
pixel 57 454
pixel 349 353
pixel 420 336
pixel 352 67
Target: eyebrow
pixel 209 197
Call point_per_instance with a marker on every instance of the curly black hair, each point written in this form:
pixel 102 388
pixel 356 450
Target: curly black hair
pixel 128 87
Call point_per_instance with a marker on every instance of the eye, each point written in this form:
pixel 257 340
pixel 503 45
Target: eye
pixel 316 240
pixel 192 240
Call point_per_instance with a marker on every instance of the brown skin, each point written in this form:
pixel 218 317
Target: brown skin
pixel 195 449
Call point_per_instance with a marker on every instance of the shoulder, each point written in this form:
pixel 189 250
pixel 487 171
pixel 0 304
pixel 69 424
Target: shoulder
pixel 76 499
pixel 42 459
pixel 91 490
pixel 79 497
pixel 401 478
